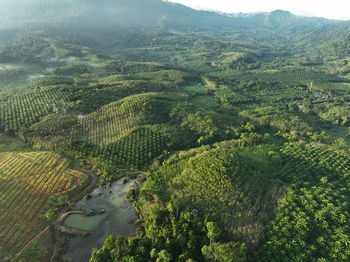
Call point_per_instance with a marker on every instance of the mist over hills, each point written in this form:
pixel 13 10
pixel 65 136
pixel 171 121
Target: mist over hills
pixel 131 12
pixel 102 22
pixel 156 13
pixel 230 133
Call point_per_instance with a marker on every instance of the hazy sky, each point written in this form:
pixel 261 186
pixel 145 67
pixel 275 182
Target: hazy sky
pixel 335 9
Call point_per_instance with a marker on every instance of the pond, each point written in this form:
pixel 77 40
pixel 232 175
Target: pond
pixel 119 218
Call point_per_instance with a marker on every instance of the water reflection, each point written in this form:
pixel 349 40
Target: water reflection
pixel 119 218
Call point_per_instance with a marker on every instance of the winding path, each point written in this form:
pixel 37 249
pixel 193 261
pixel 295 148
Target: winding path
pixel 62 216
pixel 59 220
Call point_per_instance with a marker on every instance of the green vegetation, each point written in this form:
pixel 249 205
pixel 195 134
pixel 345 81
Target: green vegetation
pixel 240 125
pixel 24 110
pixel 28 180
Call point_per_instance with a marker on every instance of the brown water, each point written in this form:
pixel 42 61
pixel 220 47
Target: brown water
pixel 119 218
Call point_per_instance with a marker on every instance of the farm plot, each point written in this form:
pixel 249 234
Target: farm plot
pixel 312 164
pixel 118 119
pixel 26 109
pixel 135 150
pixel 112 121
pixel 102 127
pixel 27 180
pixel 205 102
pixel 226 95
pixel 52 131
pixel 280 96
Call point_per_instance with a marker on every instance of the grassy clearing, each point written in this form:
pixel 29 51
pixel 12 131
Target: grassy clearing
pixel 342 132
pixel 317 124
pixel 196 89
pixel 39 250
pixel 8 144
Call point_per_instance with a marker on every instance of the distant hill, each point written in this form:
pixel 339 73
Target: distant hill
pixel 129 12
pixel 102 21
pixel 156 13
pixel 280 20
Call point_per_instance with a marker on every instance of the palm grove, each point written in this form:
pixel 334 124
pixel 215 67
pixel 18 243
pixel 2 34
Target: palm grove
pixel 241 124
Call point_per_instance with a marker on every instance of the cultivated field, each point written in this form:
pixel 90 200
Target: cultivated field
pixel 27 180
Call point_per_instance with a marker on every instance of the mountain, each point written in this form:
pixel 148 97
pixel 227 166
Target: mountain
pixel 155 13
pixel 147 13
pixel 232 132
pixel 100 22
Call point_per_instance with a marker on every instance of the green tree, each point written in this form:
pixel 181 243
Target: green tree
pixel 214 233
pixel 164 256
pixel 228 252
pixel 101 255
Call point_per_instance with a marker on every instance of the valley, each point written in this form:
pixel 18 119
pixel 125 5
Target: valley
pixel 239 125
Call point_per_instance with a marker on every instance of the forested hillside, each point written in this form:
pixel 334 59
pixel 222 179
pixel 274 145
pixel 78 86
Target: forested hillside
pixel 239 123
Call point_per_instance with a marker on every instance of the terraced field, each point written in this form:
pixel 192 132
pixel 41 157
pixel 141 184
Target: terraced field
pixel 27 180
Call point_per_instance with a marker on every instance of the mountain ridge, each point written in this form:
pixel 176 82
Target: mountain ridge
pixel 153 12
pixel 108 19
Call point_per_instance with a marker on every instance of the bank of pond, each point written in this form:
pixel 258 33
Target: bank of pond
pixel 106 211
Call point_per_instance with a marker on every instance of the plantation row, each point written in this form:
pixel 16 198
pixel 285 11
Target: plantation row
pixel 291 77
pixel 266 94
pixel 49 82
pixel 53 131
pixel 24 110
pixel 6 92
pixel 43 172
pixel 228 96
pixel 27 181
pixel 198 89
pixel 102 127
pixel 282 95
pixel 295 76
pixel 311 222
pixel 313 164
pixel 279 87
pixel 112 121
pixel 205 102
pixel 135 150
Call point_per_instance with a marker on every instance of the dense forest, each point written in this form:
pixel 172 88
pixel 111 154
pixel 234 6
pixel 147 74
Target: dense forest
pixel 240 124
